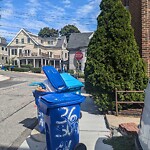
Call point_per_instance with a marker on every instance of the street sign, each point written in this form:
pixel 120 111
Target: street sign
pixel 78 55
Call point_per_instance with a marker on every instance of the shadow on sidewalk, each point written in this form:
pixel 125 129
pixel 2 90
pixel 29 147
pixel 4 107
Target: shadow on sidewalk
pixel 88 105
pixel 11 148
pixel 29 123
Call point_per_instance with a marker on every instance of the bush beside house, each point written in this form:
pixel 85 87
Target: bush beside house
pixel 113 59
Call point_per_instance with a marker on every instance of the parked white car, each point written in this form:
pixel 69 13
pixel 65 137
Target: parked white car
pixel 143 138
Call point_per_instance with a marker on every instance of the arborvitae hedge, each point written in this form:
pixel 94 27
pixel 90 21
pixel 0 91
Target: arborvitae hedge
pixel 113 59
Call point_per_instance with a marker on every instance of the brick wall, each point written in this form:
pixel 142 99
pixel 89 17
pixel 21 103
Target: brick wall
pixel 135 11
pixel 146 32
pixel 140 20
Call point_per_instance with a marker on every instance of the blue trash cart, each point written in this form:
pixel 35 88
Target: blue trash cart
pixel 62 113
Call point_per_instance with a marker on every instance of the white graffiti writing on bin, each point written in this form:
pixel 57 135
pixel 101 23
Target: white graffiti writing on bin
pixel 64 145
pixel 69 123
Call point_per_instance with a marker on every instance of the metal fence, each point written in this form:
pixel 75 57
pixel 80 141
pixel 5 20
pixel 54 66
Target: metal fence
pixel 126 102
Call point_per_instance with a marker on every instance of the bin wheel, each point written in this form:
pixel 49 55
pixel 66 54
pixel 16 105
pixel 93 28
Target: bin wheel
pixel 80 146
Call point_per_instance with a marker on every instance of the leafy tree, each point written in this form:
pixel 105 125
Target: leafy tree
pixel 68 29
pixel 47 32
pixel 113 59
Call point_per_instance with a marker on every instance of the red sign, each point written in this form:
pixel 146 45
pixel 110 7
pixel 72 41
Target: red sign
pixel 78 55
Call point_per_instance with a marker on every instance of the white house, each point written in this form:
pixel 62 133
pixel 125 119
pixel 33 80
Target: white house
pixel 78 42
pixel 3 51
pixel 27 48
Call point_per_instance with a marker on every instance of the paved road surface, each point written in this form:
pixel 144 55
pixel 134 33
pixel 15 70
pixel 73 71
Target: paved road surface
pixel 17 109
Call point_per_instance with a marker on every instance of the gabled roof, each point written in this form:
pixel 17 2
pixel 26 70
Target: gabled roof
pixel 79 40
pixel 27 33
pixel 60 41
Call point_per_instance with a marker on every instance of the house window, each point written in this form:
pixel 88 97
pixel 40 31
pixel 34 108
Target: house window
pixel 50 54
pixel 22 41
pixel 39 51
pixel 28 40
pixel 2 58
pixel 65 45
pixel 20 51
pixel 15 62
pixel 2 48
pixel 15 51
pixel 65 55
pixel 16 41
pixel 42 41
pixel 6 49
pixel 51 42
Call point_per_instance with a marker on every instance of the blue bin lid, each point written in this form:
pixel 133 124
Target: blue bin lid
pixel 70 81
pixel 54 78
pixel 61 100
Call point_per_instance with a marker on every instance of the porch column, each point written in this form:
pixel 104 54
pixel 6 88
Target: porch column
pixel 54 64
pixel 34 62
pixel 60 64
pixel 26 61
pixel 41 61
pixel 19 63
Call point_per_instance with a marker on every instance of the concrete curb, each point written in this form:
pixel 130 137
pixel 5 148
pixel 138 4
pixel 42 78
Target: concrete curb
pixel 37 136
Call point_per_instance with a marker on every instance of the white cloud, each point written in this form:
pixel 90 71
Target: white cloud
pixel 8 10
pixel 33 6
pixel 67 3
pixel 88 8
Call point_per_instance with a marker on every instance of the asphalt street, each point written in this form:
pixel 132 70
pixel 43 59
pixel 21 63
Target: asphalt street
pixel 17 108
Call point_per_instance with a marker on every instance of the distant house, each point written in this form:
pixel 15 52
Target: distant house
pixel 78 42
pixel 3 51
pixel 28 48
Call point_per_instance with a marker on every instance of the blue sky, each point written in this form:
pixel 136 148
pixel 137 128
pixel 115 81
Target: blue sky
pixel 36 14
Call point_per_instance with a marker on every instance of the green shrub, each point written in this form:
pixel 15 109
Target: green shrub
pixel 113 59
pixel 71 71
pixel 36 70
pixel 81 75
pixel 21 69
pixel 27 66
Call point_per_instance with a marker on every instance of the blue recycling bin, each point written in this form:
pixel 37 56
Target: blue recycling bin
pixel 62 83
pixel 40 115
pixel 62 113
pixel 73 84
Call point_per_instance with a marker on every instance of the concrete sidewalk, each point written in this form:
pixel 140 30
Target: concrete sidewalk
pixel 2 78
pixel 92 130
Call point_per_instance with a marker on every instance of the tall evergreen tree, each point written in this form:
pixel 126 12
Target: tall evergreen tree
pixel 113 59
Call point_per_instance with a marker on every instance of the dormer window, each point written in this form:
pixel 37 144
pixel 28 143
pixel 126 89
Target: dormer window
pixel 50 42
pixel 22 41
pixel 16 41
pixel 28 39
